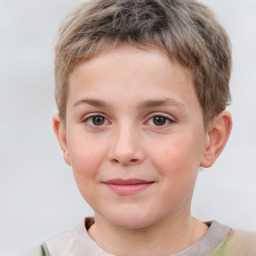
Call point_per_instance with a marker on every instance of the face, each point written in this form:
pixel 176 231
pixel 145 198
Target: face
pixel 134 135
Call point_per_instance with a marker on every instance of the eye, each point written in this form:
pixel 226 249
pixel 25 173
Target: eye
pixel 95 120
pixel 98 120
pixel 159 120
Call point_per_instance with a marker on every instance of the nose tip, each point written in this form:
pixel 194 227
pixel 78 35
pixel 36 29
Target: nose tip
pixel 125 149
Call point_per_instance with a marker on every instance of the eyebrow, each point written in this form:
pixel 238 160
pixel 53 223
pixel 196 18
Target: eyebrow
pixel 92 102
pixel 145 104
pixel 162 102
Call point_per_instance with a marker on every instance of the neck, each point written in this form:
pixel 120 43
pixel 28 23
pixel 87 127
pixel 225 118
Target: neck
pixel 164 238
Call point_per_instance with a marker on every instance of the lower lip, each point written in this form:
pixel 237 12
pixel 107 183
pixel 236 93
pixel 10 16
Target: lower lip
pixel 128 189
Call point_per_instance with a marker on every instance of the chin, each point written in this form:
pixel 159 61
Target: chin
pixel 130 220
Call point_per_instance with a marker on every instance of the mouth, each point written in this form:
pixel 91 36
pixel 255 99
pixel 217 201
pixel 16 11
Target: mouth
pixel 129 186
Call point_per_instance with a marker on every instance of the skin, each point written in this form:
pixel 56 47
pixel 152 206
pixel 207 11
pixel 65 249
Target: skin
pixel 134 114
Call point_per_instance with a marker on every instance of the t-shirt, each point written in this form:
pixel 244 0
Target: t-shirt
pixel 219 240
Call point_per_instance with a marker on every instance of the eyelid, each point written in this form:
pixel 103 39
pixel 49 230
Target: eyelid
pixel 169 118
pixel 94 114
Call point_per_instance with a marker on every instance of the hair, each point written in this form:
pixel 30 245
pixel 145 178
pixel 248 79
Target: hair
pixel 186 29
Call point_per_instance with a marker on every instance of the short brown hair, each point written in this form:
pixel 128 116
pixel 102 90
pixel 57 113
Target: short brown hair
pixel 186 29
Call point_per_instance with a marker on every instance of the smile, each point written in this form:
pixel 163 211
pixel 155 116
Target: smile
pixel 127 187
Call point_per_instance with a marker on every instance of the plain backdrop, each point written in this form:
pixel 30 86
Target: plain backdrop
pixel 38 196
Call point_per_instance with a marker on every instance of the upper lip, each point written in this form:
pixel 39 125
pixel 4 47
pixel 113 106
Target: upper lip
pixel 127 181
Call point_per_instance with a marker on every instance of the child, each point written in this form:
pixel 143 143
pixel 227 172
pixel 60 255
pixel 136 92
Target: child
pixel 141 89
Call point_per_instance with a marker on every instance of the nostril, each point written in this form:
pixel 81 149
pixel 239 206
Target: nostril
pixel 131 161
pixel 115 161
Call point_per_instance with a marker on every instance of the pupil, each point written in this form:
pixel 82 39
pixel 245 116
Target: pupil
pixel 159 120
pixel 98 120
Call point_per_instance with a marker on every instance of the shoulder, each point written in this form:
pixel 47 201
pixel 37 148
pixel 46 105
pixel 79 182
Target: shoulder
pixel 237 243
pixel 242 241
pixel 57 244
pixel 75 242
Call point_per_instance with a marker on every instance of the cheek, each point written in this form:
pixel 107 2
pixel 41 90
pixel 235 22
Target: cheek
pixel 86 159
pixel 176 164
pixel 177 158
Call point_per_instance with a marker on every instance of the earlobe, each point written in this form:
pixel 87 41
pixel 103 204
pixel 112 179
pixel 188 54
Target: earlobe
pixel 216 138
pixel 61 136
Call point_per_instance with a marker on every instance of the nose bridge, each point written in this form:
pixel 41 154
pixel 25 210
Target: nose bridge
pixel 126 147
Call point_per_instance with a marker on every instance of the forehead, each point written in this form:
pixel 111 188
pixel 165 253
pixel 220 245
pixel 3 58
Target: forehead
pixel 131 74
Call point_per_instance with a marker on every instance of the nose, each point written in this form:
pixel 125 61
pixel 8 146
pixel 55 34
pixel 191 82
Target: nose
pixel 126 147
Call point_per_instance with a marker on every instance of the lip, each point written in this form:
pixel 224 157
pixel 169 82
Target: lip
pixel 129 186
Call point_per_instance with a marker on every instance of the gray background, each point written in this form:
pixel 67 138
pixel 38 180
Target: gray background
pixel 38 195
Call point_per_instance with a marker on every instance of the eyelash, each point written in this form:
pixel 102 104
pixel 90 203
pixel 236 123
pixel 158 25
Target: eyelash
pixel 89 120
pixel 167 120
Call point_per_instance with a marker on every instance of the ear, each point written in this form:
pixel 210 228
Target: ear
pixel 217 136
pixel 60 133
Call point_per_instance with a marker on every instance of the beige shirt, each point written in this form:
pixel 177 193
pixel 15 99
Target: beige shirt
pixel 77 242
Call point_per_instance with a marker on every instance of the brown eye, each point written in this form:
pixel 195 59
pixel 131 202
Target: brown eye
pixel 159 120
pixel 98 120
